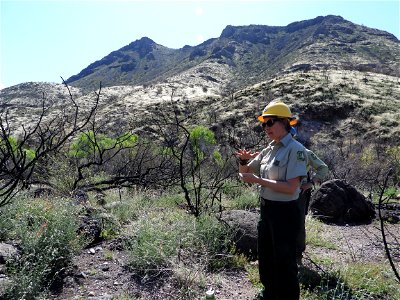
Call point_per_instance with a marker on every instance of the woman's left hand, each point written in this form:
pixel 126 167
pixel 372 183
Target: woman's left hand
pixel 249 177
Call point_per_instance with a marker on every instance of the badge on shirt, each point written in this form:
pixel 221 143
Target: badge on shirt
pixel 300 156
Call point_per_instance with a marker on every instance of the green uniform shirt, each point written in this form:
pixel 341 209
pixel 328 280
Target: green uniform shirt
pixel 317 165
pixel 280 161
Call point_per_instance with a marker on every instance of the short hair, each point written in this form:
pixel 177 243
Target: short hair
pixel 286 123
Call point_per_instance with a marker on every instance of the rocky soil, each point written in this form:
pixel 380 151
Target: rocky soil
pixel 100 273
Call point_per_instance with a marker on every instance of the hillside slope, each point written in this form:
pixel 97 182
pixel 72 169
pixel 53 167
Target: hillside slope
pixel 341 79
pixel 254 53
pixel 332 104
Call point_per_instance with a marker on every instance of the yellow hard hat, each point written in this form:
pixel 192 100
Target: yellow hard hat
pixel 276 109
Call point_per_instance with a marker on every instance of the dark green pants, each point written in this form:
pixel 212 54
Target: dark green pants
pixel 277 233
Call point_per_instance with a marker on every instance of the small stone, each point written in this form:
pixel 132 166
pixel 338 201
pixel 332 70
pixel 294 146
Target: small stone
pixel 82 275
pixel 105 268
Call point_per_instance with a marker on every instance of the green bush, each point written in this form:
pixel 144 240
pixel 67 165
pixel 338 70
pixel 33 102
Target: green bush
pixel 355 281
pixel 164 238
pixel 90 143
pixel 370 280
pixel 61 174
pixel 247 199
pixel 47 231
pixel 6 225
pixel 314 237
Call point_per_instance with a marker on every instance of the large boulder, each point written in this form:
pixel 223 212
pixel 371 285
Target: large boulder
pixel 338 202
pixel 244 224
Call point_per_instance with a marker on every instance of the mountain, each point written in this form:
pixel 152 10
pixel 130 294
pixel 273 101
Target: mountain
pixel 252 53
pixel 341 79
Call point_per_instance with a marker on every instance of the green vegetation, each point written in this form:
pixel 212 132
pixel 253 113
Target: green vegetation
pixel 188 241
pixel 161 195
pixel 353 281
pixel 47 232
pixel 190 250
pixel 314 235
pixel 21 151
pixel 89 143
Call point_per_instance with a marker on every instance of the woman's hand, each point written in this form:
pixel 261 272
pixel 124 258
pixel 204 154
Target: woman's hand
pixel 249 177
pixel 288 187
pixel 245 154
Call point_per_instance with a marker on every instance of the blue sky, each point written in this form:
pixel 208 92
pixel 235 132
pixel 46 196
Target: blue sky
pixel 44 40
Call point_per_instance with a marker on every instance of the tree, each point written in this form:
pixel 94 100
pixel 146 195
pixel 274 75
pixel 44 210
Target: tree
pixel 19 156
pixel 200 167
pixel 382 200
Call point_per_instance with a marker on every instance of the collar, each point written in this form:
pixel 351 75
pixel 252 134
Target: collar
pixel 284 141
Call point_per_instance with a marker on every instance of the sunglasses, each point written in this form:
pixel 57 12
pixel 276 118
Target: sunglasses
pixel 269 123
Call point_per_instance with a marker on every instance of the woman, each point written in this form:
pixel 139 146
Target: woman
pixel 278 169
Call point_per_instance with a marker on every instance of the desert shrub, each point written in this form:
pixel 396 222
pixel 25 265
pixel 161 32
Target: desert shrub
pixel 127 206
pixel 332 287
pixel 17 149
pixel 314 229
pixel 90 143
pixel 394 157
pixel 355 281
pixel 248 199
pixel 201 138
pixel 61 174
pixel 371 281
pixel 164 238
pixel 363 164
pixel 47 231
pixel 246 202
pixel 232 189
pixel 198 165
pixel 6 226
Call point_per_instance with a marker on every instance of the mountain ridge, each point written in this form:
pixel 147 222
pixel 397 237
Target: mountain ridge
pixel 252 50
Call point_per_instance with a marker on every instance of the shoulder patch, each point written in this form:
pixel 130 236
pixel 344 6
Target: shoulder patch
pixel 300 156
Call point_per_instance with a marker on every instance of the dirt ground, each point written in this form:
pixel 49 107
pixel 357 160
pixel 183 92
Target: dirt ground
pixel 100 273
pixel 96 276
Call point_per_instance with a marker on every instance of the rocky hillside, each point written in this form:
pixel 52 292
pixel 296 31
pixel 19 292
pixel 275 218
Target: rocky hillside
pixel 340 78
pixel 252 53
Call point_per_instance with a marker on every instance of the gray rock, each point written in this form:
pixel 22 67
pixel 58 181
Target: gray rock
pixel 102 297
pixel 7 251
pixel 338 202
pixel 245 225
